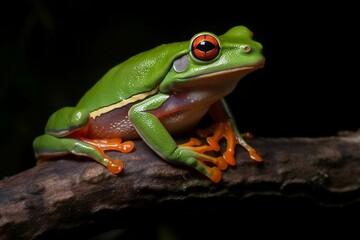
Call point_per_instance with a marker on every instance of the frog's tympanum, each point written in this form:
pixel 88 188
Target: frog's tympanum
pixel 158 93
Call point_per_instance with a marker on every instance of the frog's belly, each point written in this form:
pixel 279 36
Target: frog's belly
pixel 113 124
pixel 117 123
pixel 182 120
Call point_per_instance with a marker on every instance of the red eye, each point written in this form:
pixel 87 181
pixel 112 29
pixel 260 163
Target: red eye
pixel 205 47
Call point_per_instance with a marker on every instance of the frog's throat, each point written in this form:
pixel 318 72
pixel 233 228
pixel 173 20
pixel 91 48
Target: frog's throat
pixel 138 97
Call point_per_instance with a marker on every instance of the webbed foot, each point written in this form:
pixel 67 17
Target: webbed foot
pixel 225 129
pixel 196 145
pixel 115 144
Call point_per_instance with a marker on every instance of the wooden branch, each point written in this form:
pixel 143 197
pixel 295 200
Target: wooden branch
pixel 55 196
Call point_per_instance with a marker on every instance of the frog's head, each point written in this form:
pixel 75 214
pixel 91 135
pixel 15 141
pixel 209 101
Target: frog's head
pixel 215 62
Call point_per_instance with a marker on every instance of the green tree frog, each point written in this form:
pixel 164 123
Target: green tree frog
pixel 154 95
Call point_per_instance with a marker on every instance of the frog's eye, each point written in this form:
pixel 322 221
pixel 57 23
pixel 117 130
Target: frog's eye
pixel 205 47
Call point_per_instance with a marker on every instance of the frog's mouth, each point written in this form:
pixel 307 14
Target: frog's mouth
pixel 223 80
pixel 244 69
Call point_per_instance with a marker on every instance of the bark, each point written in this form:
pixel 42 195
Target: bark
pixel 62 195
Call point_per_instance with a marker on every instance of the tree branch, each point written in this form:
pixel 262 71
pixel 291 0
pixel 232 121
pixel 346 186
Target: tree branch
pixel 66 194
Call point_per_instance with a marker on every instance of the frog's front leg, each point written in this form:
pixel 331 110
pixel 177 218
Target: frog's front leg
pixel 159 139
pixel 225 127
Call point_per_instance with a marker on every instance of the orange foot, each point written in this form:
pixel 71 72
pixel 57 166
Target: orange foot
pixel 214 134
pixel 196 145
pixel 115 144
pixel 225 129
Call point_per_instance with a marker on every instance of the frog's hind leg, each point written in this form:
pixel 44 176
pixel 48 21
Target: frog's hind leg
pixel 48 146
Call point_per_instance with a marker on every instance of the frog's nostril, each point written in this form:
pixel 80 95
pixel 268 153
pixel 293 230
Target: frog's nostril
pixel 246 48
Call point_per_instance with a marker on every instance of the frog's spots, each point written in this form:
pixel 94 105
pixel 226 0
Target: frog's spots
pixel 112 124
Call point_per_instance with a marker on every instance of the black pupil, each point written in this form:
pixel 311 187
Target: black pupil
pixel 205 46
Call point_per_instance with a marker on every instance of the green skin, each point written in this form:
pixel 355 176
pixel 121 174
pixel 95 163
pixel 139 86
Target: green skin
pixel 153 95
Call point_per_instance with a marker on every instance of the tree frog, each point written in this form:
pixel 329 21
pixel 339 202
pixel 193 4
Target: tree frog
pixel 156 94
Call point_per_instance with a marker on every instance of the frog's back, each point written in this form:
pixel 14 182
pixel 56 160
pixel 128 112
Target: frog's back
pixel 141 73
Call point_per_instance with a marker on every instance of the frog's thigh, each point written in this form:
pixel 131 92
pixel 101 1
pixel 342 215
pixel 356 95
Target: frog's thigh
pixel 65 118
pixel 48 145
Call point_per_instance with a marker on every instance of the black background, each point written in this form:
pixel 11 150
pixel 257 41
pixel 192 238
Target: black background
pixel 51 52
